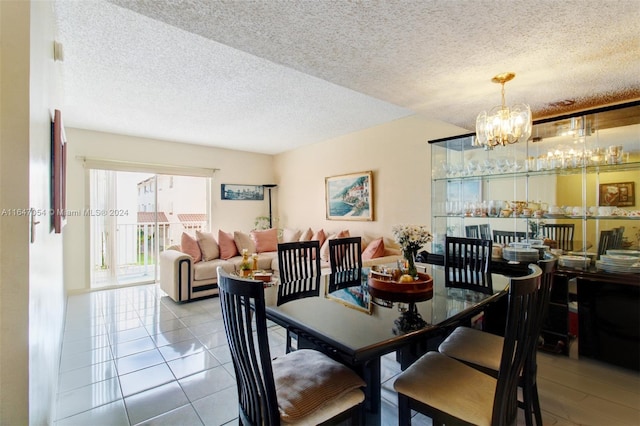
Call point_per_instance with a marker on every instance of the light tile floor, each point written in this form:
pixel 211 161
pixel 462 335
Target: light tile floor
pixel 132 356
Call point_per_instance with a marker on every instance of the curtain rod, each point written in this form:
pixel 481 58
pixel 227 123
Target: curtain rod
pixel 124 165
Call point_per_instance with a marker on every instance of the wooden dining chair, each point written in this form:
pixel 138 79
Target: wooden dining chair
pixel 451 392
pixel 467 264
pixel 561 233
pixel 485 231
pixel 618 237
pixel 345 254
pixel 298 260
pixel 506 237
pixel 472 231
pixel 302 387
pixel 607 241
pixel 482 350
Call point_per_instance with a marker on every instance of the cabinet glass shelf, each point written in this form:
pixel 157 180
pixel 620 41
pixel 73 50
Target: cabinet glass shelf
pixel 604 168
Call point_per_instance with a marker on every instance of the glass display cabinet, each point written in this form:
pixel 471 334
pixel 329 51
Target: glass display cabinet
pixel 581 169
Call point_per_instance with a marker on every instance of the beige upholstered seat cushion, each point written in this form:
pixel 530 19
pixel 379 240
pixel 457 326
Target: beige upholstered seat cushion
pixel 208 270
pixel 307 381
pixel 330 409
pixel 449 386
pixel 474 346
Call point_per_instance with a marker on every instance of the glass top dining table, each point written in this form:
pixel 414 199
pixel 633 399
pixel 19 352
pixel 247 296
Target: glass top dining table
pixel 338 315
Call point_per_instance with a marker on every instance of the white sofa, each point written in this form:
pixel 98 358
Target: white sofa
pixel 184 279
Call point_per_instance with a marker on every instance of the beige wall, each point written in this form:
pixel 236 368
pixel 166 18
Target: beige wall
pixel 570 192
pixel 396 152
pixel 235 167
pixel 31 289
pixel 46 287
pixel 14 248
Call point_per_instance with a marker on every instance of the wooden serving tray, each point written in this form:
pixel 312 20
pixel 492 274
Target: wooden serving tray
pixel 382 286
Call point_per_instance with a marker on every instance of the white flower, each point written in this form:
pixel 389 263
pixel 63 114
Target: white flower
pixel 411 237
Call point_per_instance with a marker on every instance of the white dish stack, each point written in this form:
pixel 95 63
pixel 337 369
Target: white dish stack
pixel 575 262
pixel 517 254
pixel 618 263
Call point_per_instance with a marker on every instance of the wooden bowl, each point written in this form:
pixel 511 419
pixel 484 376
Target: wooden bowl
pixel 384 287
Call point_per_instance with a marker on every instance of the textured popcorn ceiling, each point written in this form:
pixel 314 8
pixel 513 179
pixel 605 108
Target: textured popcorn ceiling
pixel 267 76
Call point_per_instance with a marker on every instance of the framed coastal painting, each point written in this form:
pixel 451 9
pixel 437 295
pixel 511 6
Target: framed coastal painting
pixel 58 173
pixel 349 197
pixel 353 296
pixel 229 191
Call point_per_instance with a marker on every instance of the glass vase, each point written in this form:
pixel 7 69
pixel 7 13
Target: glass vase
pixel 410 255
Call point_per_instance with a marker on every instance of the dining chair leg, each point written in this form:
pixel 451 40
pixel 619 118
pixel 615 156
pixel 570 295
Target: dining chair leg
pixel 404 412
pixel 535 401
pixel 528 404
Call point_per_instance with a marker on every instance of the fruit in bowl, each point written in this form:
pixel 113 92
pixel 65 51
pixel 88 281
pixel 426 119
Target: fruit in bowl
pixel 406 278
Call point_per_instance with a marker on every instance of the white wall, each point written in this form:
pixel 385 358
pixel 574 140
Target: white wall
pixel 235 167
pixel 396 152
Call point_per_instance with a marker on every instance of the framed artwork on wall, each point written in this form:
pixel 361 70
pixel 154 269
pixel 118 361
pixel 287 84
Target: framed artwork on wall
pixel 229 191
pixel 617 194
pixel 349 197
pixel 58 173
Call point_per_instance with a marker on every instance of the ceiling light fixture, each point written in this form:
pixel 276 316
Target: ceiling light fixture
pixel 503 125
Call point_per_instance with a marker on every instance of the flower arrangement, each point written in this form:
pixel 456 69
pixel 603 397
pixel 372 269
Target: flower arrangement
pixel 411 238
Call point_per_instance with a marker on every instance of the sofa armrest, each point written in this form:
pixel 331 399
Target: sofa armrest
pixel 176 274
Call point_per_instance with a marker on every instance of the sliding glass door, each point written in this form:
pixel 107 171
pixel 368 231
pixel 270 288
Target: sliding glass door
pixel 134 216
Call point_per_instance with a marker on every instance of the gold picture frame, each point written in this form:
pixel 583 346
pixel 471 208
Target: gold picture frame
pixel 350 196
pixel 617 194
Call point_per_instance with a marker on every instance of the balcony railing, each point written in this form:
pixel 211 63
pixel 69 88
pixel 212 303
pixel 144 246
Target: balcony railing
pixel 134 250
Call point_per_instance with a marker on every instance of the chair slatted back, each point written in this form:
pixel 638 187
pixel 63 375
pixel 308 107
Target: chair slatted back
pixel 618 233
pixel 298 260
pixel 243 313
pixel 467 264
pixel 298 289
pixel 607 241
pixel 345 254
pixel 472 231
pixel 519 342
pixel 561 233
pixel 506 237
pixel 485 231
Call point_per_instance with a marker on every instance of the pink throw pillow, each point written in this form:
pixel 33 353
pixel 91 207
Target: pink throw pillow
pixel 374 249
pixel 227 245
pixel 189 245
pixel 265 240
pixel 343 234
pixel 320 236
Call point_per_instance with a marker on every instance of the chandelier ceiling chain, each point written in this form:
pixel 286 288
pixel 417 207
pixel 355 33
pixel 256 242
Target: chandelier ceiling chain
pixel 503 125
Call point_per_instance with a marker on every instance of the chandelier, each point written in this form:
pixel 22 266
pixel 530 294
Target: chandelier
pixel 503 125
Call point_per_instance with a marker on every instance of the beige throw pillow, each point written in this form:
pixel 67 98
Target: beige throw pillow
pixel 208 245
pixel 291 235
pixel 306 235
pixel 244 241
